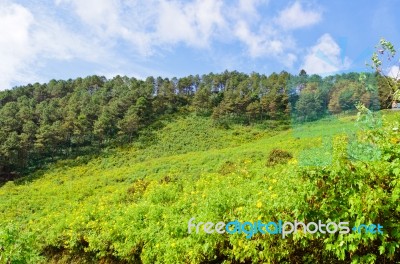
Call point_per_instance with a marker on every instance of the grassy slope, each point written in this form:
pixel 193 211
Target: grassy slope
pixel 137 201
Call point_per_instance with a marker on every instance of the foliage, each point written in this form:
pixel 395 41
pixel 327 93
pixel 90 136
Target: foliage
pixel 278 156
pixel 134 204
pixel 385 63
pixel 360 192
pixel 161 160
pixel 42 123
pixel 17 245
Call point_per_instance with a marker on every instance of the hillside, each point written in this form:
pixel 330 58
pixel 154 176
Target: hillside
pixel 133 204
pixel 65 119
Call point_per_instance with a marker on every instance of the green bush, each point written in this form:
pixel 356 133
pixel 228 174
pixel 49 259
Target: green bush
pixel 278 156
pixel 358 192
pixel 18 246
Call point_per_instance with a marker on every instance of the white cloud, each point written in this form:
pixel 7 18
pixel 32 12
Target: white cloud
pixel 52 40
pixel 100 15
pixel 94 31
pixel 107 20
pixel 295 16
pixel 193 23
pixel 173 24
pixel 208 19
pixel 258 44
pixel 267 43
pixel 249 9
pixel 15 48
pixel 289 59
pixel 325 57
pixel 32 38
pixel 394 72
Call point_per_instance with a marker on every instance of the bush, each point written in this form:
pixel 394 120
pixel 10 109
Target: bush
pixel 278 156
pixel 17 246
pixel 360 193
pixel 227 168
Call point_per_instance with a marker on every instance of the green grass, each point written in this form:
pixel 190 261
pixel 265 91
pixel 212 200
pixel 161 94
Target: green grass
pixel 135 202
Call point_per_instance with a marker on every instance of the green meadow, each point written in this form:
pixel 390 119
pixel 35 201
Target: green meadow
pixel 133 204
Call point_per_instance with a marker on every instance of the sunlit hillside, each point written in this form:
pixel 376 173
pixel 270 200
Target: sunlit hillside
pixel 133 204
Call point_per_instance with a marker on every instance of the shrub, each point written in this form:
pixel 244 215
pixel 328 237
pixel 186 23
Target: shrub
pixel 358 192
pixel 227 168
pixel 17 246
pixel 278 156
pixel 135 192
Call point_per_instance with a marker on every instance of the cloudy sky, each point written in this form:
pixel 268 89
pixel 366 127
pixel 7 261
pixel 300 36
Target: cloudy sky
pixel 62 39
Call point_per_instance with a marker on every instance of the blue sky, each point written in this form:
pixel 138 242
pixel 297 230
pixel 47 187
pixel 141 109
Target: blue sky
pixel 62 39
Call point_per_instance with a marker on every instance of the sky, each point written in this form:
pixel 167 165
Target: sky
pixel 63 39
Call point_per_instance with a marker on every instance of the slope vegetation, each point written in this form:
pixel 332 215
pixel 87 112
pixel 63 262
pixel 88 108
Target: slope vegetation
pixel 133 204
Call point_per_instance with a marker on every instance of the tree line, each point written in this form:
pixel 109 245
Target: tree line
pixel 63 118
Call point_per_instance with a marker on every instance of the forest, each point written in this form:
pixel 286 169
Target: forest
pixel 41 123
